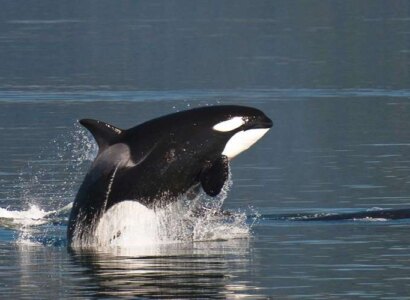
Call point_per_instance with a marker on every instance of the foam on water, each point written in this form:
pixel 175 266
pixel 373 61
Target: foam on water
pixel 30 217
pixel 31 224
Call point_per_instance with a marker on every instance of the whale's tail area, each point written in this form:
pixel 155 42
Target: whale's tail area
pixel 103 133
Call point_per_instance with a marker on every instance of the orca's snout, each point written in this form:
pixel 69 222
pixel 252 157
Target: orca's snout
pixel 262 122
pixel 267 122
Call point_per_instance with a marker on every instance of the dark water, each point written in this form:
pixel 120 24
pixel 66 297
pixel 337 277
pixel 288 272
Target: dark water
pixel 159 45
pixel 333 76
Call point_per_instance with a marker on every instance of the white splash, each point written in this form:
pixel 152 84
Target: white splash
pixel 25 221
pixel 52 178
pixel 47 183
pixel 130 224
pixel 30 217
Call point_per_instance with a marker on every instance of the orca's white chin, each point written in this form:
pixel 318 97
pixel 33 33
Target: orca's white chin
pixel 242 141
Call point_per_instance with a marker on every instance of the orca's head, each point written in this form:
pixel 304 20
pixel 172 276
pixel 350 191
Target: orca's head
pixel 243 126
pixel 234 128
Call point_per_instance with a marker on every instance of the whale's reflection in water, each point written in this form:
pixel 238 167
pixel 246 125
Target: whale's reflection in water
pixel 189 270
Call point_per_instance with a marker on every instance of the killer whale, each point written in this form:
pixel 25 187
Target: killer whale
pixel 157 161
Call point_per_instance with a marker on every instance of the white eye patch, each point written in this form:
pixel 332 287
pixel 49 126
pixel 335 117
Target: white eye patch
pixel 230 124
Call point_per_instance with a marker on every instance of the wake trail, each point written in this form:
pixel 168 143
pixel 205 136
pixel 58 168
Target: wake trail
pixel 367 215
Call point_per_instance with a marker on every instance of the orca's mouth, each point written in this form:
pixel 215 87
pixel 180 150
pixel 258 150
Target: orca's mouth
pixel 265 123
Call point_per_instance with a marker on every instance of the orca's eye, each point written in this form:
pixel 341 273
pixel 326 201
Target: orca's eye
pixel 230 124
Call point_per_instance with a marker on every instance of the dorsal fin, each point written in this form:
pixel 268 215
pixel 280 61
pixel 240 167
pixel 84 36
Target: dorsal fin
pixel 104 134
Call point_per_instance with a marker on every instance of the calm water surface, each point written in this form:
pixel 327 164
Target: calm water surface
pixel 334 77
